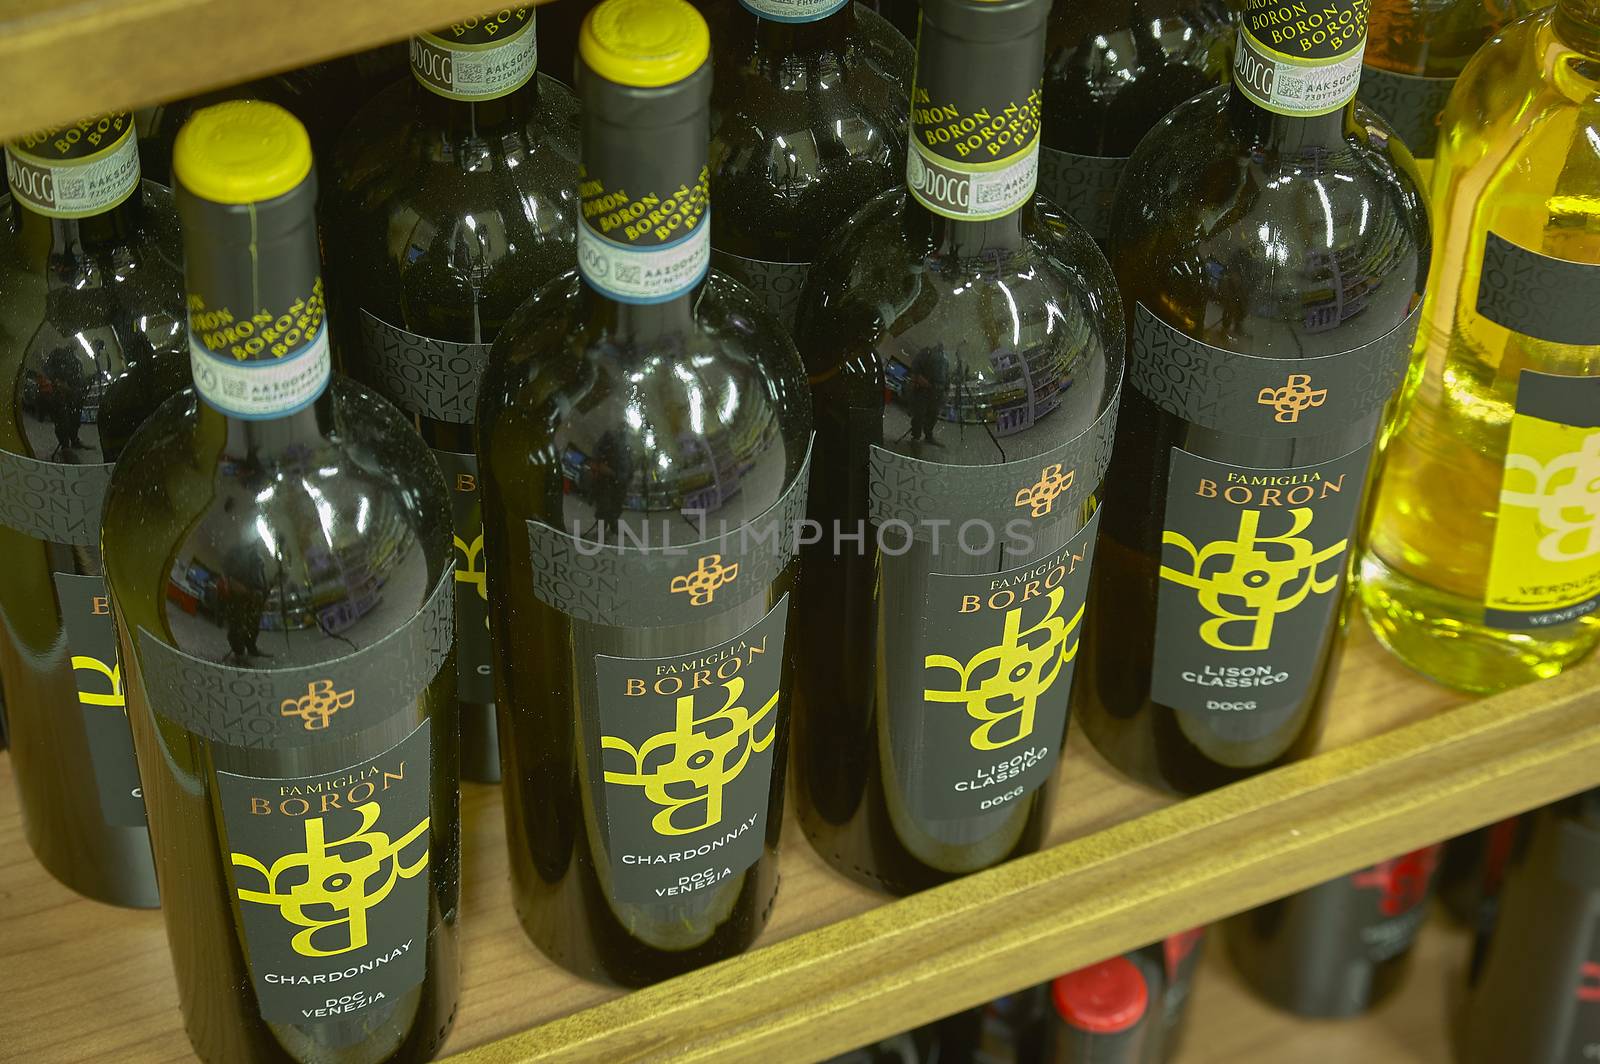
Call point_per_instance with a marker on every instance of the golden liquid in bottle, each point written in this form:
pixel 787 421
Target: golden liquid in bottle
pixel 1520 157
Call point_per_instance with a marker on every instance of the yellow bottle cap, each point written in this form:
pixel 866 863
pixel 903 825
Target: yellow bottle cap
pixel 644 43
pixel 242 151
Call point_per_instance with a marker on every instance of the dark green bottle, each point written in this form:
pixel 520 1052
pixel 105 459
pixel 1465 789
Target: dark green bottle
pixel 91 342
pixel 454 197
pixel 964 344
pixel 642 436
pixel 1272 247
pixel 807 124
pixel 278 553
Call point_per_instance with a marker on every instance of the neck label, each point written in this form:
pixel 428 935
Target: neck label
pixel 638 245
pixel 259 366
pixel 792 10
pixel 1299 58
pixel 75 171
pixel 480 58
pixel 974 129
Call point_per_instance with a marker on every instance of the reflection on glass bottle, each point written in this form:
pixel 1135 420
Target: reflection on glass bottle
pixel 1484 567
pixel 807 124
pixel 1272 246
pixel 278 551
pixel 964 344
pixel 92 340
pixel 455 196
pixel 1113 69
pixel 642 435
pixel 1415 51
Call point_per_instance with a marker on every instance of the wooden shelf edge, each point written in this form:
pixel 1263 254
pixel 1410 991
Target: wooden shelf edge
pixel 911 961
pixel 62 60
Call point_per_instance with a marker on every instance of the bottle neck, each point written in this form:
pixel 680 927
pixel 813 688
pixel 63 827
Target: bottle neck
pixel 1577 22
pixel 45 237
pixel 252 442
pixel 644 234
pixel 1294 76
pixel 466 120
pixel 973 165
pixel 775 38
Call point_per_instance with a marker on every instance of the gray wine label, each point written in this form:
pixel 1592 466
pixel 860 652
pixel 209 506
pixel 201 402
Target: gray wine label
pixel 1085 186
pixel 308 705
pixel 474 677
pixel 1000 649
pixel 646 578
pixel 1411 105
pixel 92 645
pixel 685 758
pixel 51 501
pixel 330 877
pixel 1248 395
pixel 922 500
pixel 777 285
pixel 433 378
pixel 1252 563
pixel 1537 295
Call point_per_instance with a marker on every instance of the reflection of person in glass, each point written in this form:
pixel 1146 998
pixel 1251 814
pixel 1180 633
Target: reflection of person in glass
pixel 66 388
pixel 925 390
pixel 610 469
pixel 243 601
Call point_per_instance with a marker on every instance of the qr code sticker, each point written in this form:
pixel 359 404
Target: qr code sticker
pixel 70 188
pixel 987 194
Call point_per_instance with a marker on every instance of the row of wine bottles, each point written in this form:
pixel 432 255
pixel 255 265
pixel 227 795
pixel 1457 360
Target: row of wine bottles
pixel 593 497
pixel 1529 888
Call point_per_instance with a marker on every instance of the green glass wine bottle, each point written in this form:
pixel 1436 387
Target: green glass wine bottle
pixel 964 343
pixel 642 438
pixel 1113 69
pixel 455 196
pixel 277 548
pixel 1272 246
pixel 808 117
pixel 91 341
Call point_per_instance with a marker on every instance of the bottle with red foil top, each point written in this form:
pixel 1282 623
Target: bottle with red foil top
pixel 1178 958
pixel 1537 1000
pixel 1105 1013
pixel 1337 949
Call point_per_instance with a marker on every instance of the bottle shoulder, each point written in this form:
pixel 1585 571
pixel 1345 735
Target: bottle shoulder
pixel 279 555
pixel 92 341
pixel 566 393
pixel 1267 250
pixel 1003 354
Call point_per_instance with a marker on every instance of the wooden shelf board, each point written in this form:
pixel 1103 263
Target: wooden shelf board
pixel 61 60
pixel 840 966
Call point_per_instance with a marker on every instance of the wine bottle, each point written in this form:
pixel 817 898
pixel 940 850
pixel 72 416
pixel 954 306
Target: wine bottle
pixel 808 115
pixel 1178 959
pixel 1272 250
pixel 455 196
pixel 964 342
pixel 1113 69
pixel 1484 561
pixel 1473 869
pixel 1339 948
pixel 92 341
pixel 277 548
pixel 1104 1014
pixel 1537 1000
pixel 1417 49
pixel 643 435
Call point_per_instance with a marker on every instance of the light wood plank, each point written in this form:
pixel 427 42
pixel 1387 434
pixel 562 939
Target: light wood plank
pixel 62 60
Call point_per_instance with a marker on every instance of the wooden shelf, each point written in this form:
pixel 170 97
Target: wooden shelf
pixel 1228 1025
pixel 62 60
pixel 1407 764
